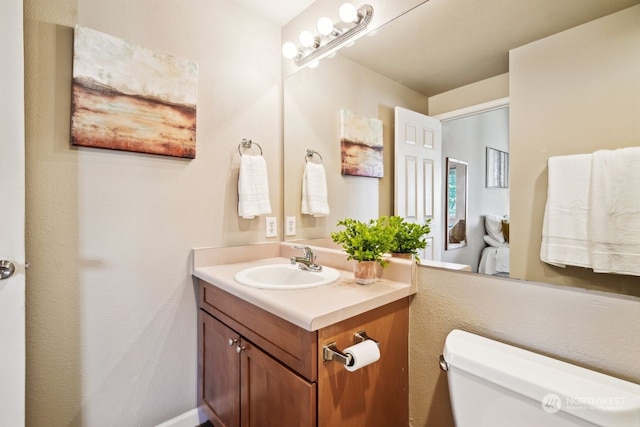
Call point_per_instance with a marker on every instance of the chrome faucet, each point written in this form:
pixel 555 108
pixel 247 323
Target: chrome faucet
pixel 308 262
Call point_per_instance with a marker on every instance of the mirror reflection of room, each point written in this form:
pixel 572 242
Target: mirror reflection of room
pixel 373 76
pixel 456 209
pixel 467 137
pixel 312 100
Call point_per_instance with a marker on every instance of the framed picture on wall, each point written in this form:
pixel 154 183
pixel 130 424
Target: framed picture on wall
pixel 127 97
pixel 497 174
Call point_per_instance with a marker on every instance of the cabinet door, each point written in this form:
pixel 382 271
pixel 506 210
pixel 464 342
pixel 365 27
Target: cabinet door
pixel 374 395
pixel 219 372
pixel 272 395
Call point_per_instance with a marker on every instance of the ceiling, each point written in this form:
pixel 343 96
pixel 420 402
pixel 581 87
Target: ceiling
pixel 278 11
pixel 445 44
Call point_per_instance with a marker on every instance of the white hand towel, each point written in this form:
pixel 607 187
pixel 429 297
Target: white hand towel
pixel 253 187
pixel 315 200
pixel 565 230
pixel 615 216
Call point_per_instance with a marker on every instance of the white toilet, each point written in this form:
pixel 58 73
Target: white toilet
pixel 493 384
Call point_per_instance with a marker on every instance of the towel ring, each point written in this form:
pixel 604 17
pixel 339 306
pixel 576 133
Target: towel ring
pixel 310 154
pixel 247 143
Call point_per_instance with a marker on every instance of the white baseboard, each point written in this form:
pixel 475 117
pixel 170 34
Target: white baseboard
pixel 192 418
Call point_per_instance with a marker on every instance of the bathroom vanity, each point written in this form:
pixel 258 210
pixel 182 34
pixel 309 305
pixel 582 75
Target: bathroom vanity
pixel 261 356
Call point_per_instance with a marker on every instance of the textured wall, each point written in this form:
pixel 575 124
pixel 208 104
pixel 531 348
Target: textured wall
pixel 592 329
pixel 111 309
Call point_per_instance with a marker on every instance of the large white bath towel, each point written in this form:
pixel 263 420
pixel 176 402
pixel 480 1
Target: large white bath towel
pixel 615 211
pixel 253 187
pixel 565 230
pixel 315 199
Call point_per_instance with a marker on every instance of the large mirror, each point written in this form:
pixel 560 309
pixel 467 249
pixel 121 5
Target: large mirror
pixel 439 46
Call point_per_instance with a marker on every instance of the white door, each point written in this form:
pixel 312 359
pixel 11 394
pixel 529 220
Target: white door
pixel 12 208
pixel 418 170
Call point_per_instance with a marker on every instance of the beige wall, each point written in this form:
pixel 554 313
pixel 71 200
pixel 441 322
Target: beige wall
pixel 111 309
pixel 574 92
pixel 592 329
pixel 469 95
pixel 313 99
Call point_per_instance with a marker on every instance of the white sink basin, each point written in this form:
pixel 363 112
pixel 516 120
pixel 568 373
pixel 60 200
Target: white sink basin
pixel 285 276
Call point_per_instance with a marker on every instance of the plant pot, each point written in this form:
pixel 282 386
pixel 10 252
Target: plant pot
pixel 402 255
pixel 366 272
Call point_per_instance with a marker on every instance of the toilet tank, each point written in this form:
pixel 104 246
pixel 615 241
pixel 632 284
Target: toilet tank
pixel 498 385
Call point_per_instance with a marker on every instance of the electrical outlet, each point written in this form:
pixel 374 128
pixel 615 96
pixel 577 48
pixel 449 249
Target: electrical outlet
pixel 272 226
pixel 290 226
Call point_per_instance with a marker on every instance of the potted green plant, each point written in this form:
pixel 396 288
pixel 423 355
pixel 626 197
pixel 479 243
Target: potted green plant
pixel 365 242
pixel 409 237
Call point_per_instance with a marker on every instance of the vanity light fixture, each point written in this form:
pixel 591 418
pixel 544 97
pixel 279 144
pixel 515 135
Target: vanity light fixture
pixel 330 38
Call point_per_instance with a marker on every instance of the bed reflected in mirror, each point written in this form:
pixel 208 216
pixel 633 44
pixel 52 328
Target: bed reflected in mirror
pixel 456 204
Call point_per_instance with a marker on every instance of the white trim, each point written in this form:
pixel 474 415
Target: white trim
pixel 474 109
pixel 192 418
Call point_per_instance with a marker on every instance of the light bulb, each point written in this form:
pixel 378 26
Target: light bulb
pixel 348 13
pixel 325 26
pixel 289 50
pixel 313 64
pixel 306 39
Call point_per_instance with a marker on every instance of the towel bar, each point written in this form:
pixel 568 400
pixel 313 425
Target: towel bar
pixel 247 143
pixel 310 154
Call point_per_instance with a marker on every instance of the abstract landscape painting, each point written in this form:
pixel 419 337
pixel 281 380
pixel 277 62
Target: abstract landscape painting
pixel 127 97
pixel 361 145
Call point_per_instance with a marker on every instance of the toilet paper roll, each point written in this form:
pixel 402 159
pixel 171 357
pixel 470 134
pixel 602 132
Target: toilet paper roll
pixel 363 354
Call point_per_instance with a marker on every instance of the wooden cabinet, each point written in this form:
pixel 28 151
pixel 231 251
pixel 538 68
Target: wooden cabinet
pixel 243 386
pixel 220 360
pixel 377 394
pixel 256 369
pixel 271 394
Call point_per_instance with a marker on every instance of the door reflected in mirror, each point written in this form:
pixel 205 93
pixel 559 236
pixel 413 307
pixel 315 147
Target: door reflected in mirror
pixel 456 204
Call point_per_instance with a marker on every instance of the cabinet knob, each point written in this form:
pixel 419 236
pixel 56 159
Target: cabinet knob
pixel 232 341
pixel 239 349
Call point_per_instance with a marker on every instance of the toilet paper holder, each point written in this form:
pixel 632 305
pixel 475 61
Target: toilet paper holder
pixel 331 352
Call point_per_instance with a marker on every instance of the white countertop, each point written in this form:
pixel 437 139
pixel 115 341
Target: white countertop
pixel 312 308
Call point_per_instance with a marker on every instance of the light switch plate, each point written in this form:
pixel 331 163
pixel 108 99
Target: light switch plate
pixel 271 226
pixel 290 226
